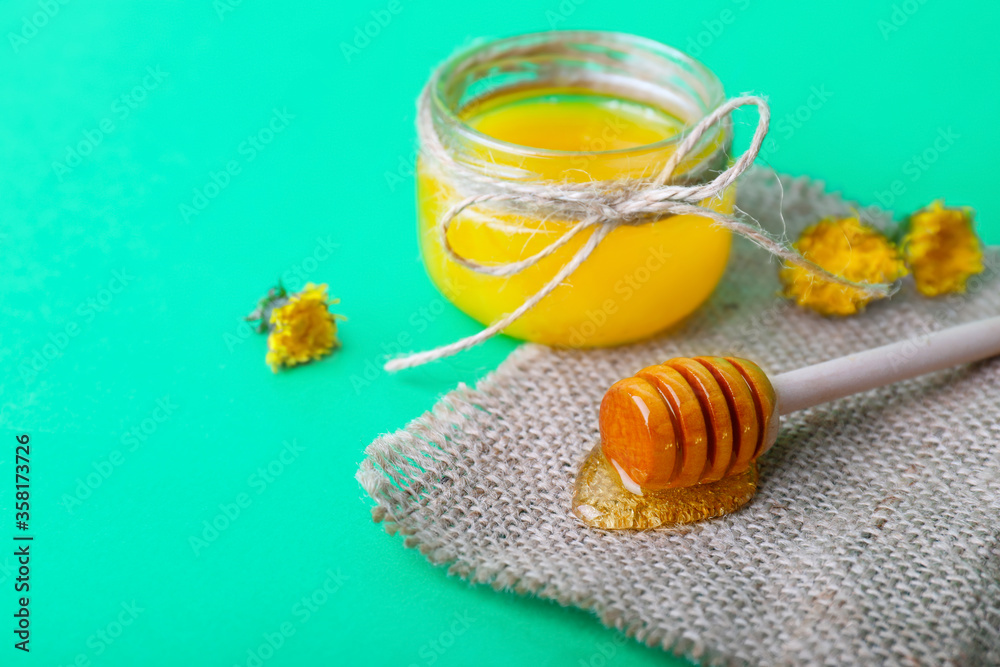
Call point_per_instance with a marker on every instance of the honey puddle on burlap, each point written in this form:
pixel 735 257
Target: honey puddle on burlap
pixel 874 536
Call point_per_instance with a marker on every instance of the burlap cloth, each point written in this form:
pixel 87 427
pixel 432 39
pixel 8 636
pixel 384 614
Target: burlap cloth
pixel 874 536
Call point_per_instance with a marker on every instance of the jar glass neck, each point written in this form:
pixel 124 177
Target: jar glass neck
pixel 611 64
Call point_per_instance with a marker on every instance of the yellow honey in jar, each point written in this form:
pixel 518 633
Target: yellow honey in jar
pixel 639 280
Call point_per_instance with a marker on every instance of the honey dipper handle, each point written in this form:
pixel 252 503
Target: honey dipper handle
pixel 812 385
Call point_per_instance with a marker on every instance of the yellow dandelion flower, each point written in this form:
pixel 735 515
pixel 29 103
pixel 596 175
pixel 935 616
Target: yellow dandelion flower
pixel 302 329
pixel 847 248
pixel 942 249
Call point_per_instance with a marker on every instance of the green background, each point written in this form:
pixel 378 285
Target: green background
pixel 87 353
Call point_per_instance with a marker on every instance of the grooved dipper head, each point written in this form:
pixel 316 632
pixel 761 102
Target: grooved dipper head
pixel 688 421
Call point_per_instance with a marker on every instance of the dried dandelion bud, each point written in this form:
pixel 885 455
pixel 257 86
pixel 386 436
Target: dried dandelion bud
pixel 301 326
pixel 848 248
pixel 942 249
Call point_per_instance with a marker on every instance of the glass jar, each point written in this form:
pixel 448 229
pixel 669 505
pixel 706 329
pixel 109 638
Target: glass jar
pixel 640 279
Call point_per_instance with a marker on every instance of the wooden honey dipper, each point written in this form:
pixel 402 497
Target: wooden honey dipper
pixel 680 440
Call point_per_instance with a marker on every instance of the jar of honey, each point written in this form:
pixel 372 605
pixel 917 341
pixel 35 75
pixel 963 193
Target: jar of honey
pixel 573 107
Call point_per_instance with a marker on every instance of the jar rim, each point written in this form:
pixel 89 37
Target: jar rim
pixel 711 97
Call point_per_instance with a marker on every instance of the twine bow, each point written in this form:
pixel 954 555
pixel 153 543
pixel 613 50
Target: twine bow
pixel 602 206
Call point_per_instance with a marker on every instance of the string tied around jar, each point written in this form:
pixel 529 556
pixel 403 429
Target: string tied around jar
pixel 601 206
